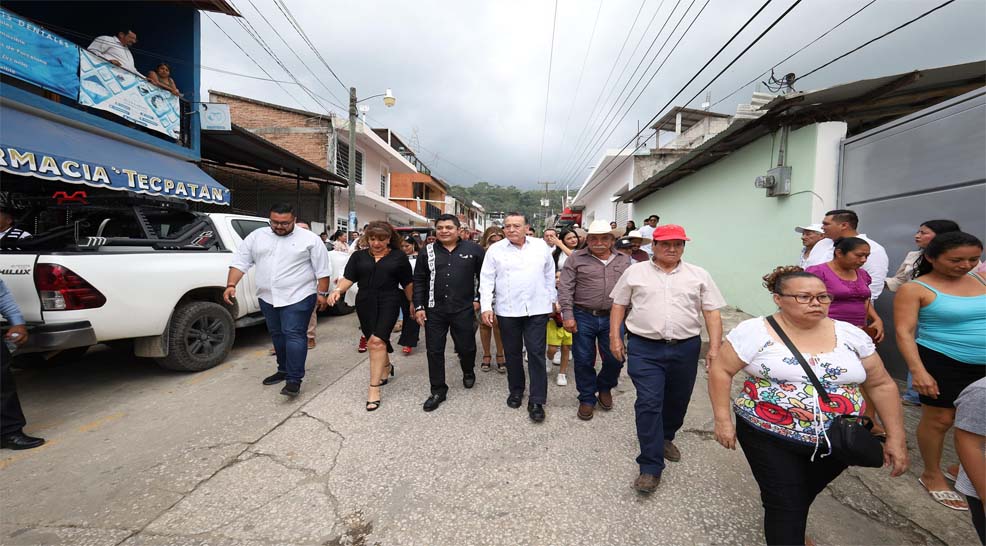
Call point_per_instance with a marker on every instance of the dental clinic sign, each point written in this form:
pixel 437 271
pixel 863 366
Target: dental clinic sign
pixel 51 167
pixel 31 53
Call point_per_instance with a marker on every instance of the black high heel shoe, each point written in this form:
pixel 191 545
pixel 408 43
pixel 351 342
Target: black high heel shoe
pixel 373 405
pixel 386 380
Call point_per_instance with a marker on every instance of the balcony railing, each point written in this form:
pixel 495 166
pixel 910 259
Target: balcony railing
pixel 432 212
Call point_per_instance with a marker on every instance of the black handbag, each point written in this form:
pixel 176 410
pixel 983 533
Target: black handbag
pixel 849 436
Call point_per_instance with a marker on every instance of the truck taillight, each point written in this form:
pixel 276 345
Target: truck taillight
pixel 62 290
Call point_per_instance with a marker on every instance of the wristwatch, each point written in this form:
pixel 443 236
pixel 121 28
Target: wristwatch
pixel 324 294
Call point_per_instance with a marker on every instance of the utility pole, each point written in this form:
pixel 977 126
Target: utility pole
pixel 545 203
pixel 351 166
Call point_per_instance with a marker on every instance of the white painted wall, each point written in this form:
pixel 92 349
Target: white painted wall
pixel 598 202
pixel 828 142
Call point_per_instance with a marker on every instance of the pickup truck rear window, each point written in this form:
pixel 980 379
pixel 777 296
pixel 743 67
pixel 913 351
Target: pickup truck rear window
pixel 246 227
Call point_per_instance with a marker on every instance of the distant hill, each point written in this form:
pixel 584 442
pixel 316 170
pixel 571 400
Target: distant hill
pixel 496 198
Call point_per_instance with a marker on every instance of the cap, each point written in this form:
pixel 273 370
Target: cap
pixel 809 227
pixel 670 232
pixel 624 242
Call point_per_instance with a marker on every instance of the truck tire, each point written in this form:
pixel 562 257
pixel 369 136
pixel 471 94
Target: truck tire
pixel 200 336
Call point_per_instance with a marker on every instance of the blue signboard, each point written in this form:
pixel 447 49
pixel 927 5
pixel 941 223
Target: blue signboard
pixel 33 54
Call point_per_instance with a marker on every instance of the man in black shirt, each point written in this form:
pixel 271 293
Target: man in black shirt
pixel 446 294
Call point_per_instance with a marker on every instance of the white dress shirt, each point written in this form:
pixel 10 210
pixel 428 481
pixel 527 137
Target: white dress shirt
pixel 647 233
pixel 111 49
pixel 521 278
pixel 288 267
pixel 876 265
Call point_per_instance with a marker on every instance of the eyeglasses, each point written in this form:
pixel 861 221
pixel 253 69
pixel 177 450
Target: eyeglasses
pixel 805 299
pixel 281 224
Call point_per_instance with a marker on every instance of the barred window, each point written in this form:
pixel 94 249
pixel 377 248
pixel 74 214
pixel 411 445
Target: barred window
pixel 342 162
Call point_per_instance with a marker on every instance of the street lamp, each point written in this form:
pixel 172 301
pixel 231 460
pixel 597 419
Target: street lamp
pixel 388 101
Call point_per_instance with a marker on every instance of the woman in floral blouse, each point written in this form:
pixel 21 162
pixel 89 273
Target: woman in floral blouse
pixel 781 423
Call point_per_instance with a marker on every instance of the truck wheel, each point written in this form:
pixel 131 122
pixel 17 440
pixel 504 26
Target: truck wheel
pixel 200 336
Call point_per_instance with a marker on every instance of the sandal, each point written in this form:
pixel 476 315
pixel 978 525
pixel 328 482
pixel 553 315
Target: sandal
pixel 501 363
pixel 941 497
pixel 386 380
pixel 372 405
pixel 485 366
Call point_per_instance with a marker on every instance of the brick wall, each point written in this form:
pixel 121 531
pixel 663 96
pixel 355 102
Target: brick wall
pixel 313 146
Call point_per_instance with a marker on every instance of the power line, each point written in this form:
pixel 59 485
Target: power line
pixel 594 111
pixel 297 26
pixel 880 37
pixel 613 124
pixel 547 90
pixel 706 86
pixel 291 49
pixel 785 59
pixel 578 86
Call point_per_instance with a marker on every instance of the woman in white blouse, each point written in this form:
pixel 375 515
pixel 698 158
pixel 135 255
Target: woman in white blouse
pixel 781 424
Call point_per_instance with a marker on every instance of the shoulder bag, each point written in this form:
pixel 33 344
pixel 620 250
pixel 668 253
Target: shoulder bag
pixel 849 436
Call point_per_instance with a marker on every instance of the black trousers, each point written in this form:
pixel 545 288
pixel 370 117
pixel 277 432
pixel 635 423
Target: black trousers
pixel 978 517
pixel 410 331
pixel 530 332
pixel 11 416
pixel 437 328
pixel 789 481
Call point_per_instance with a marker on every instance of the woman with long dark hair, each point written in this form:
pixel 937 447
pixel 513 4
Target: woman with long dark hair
pixel 940 319
pixel 568 241
pixel 384 276
pixel 488 333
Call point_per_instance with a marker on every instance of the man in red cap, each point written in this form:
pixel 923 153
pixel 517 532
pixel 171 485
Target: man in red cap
pixel 668 299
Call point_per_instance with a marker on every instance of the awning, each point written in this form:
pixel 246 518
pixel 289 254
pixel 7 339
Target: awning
pixel 32 145
pixel 241 149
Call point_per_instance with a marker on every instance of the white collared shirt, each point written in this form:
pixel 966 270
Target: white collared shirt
pixel 647 233
pixel 877 265
pixel 288 267
pixel 111 49
pixel 521 278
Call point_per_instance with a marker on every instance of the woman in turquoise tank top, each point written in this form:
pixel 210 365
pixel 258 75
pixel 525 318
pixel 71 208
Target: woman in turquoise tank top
pixel 940 319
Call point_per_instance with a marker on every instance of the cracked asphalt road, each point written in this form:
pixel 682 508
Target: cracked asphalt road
pixel 140 456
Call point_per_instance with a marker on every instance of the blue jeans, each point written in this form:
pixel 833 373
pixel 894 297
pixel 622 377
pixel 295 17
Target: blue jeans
pixel 593 331
pixel 288 327
pixel 911 395
pixel 664 376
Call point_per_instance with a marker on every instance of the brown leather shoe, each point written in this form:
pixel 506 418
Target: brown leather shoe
pixel 605 400
pixel 671 452
pixel 646 483
pixel 585 411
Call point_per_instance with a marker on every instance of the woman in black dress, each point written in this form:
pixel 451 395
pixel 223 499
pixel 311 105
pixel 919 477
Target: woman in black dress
pixel 381 271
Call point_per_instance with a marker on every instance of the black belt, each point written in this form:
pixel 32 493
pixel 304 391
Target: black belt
pixel 593 312
pixel 661 341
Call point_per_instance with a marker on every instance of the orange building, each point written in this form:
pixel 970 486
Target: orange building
pixel 419 192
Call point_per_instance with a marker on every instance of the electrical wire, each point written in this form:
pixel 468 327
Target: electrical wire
pixel 785 59
pixel 297 26
pixel 880 37
pixel 547 90
pixel 706 86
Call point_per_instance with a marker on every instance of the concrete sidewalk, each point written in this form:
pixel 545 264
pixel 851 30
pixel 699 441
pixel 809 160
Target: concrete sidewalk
pixel 478 472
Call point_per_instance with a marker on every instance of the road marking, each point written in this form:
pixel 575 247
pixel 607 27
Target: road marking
pixel 16 457
pixel 94 425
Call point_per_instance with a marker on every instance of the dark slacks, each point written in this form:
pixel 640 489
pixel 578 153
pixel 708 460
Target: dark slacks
pixel 288 327
pixel 530 332
pixel 664 375
pixel 11 416
pixel 978 517
pixel 789 481
pixel 411 330
pixel 437 328
pixel 593 331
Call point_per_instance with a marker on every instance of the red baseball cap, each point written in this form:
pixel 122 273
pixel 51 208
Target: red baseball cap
pixel 670 232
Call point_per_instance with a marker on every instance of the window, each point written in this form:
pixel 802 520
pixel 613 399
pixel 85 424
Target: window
pixel 246 227
pixel 342 162
pixel 384 178
pixel 342 224
pixel 419 190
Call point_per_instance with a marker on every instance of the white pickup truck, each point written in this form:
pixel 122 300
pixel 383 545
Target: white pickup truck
pixel 150 274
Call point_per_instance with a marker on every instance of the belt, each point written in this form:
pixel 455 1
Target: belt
pixel 661 341
pixel 593 312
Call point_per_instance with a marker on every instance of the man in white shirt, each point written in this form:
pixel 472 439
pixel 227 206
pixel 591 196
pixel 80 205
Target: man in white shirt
pixel 841 223
pixel 292 276
pixel 116 49
pixel 520 273
pixel 647 233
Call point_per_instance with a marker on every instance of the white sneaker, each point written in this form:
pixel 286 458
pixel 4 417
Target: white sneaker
pixel 557 359
pixel 562 380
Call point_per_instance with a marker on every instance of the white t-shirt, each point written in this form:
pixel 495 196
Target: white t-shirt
pixel 647 233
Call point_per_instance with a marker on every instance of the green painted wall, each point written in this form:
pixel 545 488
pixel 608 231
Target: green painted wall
pixel 737 233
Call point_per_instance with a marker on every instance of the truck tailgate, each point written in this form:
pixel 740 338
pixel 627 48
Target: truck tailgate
pixel 17 271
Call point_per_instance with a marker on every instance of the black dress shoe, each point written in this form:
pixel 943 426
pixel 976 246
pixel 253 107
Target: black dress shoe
pixel 536 412
pixel 514 400
pixel 275 379
pixel 433 401
pixel 468 380
pixel 19 440
pixel 291 389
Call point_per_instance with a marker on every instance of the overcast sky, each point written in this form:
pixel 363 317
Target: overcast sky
pixel 471 77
